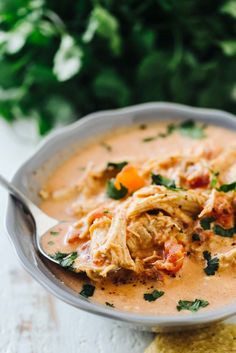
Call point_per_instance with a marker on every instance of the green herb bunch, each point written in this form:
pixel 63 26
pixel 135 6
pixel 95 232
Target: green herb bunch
pixel 60 60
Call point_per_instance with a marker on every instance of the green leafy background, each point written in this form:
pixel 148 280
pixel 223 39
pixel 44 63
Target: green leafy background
pixel 60 60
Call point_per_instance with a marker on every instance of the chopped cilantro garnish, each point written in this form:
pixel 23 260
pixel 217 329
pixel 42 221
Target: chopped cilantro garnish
pixel 227 187
pixel 158 179
pixel 150 138
pixel 106 146
pixel 214 179
pixel 195 237
pixel 191 305
pixel 117 166
pixel 191 129
pixel 110 304
pixel 64 259
pixel 51 243
pixel 54 233
pixel 170 128
pixel 206 222
pixel 87 291
pixel 115 193
pixel 212 263
pixel 151 297
pixel 228 233
pixel 59 256
pixel 186 128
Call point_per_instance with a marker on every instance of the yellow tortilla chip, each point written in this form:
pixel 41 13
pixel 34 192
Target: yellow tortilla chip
pixel 220 338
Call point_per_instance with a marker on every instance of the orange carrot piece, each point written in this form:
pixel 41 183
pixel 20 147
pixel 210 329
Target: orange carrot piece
pixel 130 178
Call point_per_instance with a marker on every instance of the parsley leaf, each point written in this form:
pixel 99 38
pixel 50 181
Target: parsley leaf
pixel 87 291
pixel 117 166
pixel 115 193
pixel 227 187
pixel 158 179
pixel 191 305
pixel 65 260
pixel 228 233
pixel 206 222
pixel 151 297
pixel 212 263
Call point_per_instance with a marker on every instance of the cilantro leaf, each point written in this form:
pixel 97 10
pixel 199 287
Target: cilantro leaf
pixel 195 237
pixel 212 263
pixel 117 166
pixel 206 222
pixel 106 146
pixel 158 179
pixel 51 242
pixel 223 232
pixel 187 128
pixel 115 193
pixel 192 305
pixel 72 44
pixel 214 179
pixel 150 138
pixel 227 187
pixel 67 60
pixel 191 129
pixel 169 130
pixel 151 297
pixel 87 291
pixel 54 233
pixel 103 24
pixel 64 259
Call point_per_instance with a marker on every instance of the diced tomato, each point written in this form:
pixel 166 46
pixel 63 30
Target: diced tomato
pixel 174 254
pixel 72 236
pixel 199 181
pixel 99 214
pixel 173 258
pixel 223 212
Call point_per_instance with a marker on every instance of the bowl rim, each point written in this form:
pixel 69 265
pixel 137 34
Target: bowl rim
pixel 90 306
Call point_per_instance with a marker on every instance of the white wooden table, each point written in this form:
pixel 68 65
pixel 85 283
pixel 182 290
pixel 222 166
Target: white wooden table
pixel 32 320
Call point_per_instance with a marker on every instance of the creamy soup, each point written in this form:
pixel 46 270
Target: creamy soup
pixel 152 209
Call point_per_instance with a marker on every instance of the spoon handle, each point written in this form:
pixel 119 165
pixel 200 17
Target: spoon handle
pixel 15 192
pixel 41 220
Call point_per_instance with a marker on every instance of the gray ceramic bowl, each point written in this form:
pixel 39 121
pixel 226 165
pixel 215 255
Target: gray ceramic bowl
pixel 58 146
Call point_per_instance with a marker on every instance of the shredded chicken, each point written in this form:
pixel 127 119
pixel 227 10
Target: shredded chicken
pixel 152 229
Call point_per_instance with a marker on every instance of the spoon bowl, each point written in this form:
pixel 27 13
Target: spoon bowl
pixel 43 224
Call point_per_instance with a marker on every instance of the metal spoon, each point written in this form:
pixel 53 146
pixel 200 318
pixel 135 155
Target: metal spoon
pixel 42 222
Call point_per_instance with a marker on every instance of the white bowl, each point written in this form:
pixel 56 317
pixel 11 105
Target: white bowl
pixel 58 146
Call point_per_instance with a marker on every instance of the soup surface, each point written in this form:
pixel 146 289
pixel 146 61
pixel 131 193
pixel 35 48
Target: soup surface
pixel 153 208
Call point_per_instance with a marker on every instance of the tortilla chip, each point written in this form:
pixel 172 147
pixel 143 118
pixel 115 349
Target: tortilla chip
pixel 220 338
